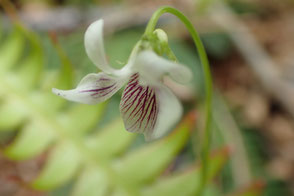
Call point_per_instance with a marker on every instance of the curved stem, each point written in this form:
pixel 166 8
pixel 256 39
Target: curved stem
pixel 208 84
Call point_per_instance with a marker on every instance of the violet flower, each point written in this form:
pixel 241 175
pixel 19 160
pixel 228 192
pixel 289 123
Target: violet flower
pixel 147 106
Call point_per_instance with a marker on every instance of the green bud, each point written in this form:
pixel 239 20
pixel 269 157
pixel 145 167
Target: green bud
pixel 161 36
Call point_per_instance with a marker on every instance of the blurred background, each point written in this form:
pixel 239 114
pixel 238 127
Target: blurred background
pixel 250 44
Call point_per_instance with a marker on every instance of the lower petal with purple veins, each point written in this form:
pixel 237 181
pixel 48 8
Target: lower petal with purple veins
pixel 149 110
pixel 139 106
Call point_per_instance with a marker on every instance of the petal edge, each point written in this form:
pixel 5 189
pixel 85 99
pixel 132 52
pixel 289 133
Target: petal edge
pixel 94 46
pixel 93 88
pixel 152 67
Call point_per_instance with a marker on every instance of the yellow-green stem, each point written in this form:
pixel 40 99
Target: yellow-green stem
pixel 208 84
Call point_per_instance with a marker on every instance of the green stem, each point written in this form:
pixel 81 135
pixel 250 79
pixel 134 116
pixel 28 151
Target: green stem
pixel 208 84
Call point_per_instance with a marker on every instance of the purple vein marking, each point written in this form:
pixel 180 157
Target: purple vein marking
pixel 100 92
pixel 104 79
pixel 139 106
pixel 97 90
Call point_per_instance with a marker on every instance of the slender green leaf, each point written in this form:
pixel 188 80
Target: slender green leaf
pixel 110 141
pixel 82 118
pixel 12 114
pixel 31 67
pixel 62 165
pixel 65 77
pixel 92 182
pixel 148 162
pixel 186 183
pixel 11 50
pixel 31 141
pixel 255 189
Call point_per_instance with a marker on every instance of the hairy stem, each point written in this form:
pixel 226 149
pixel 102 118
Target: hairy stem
pixel 208 83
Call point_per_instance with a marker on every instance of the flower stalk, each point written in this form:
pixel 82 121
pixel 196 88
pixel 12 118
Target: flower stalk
pixel 208 83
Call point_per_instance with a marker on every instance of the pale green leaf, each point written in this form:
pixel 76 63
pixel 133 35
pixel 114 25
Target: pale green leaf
pixel 31 141
pixel 118 191
pixel 146 163
pixel 92 182
pixel 254 189
pixel 110 141
pixel 49 102
pixel 30 70
pixel 212 190
pixel 82 118
pixel 62 165
pixel 65 76
pixel 31 67
pixel 12 114
pixel 11 50
pixel 186 183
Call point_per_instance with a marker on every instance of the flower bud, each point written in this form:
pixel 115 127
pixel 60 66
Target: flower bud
pixel 161 35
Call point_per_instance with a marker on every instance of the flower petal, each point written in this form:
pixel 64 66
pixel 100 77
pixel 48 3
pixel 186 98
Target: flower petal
pixel 170 111
pixel 152 67
pixel 95 47
pixel 92 89
pixel 149 110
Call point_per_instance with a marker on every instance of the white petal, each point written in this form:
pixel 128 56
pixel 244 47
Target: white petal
pixel 169 113
pixel 149 110
pixel 152 67
pixel 92 89
pixel 95 47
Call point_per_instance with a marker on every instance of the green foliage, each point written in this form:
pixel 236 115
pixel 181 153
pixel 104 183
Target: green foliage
pixel 244 7
pixel 254 189
pixel 99 158
pixel 276 187
pixel 218 45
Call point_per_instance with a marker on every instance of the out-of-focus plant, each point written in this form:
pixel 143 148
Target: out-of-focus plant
pixel 99 159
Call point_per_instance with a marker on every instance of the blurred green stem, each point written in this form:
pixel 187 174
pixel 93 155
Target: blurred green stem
pixel 208 83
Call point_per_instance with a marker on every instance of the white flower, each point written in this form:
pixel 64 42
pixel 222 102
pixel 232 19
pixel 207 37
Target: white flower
pixel 147 105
